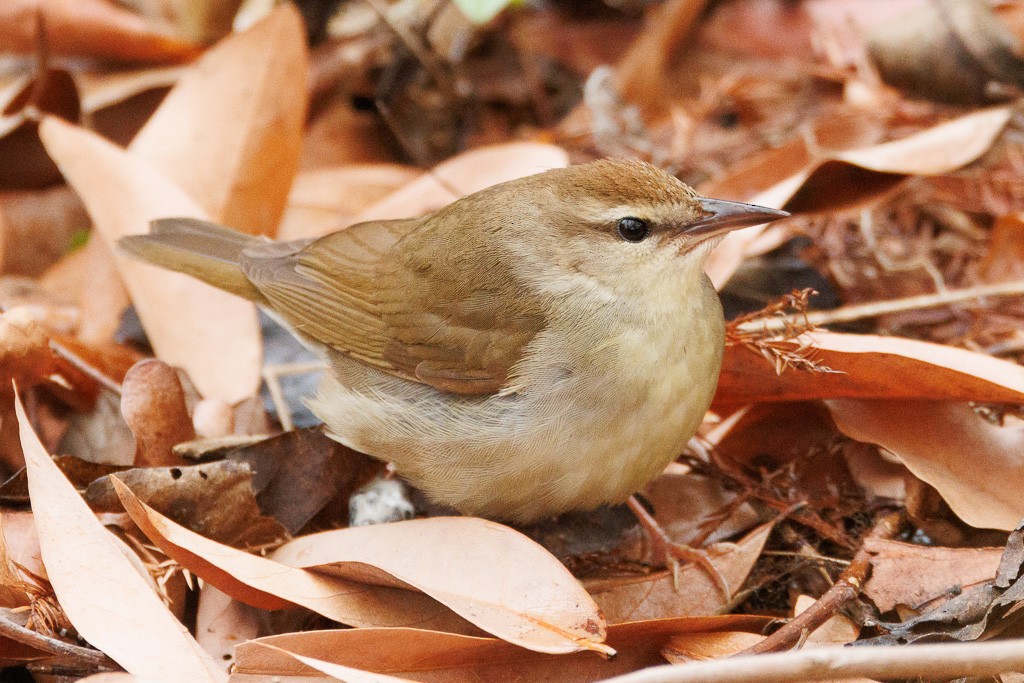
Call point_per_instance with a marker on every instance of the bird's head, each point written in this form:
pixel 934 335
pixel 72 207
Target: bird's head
pixel 617 222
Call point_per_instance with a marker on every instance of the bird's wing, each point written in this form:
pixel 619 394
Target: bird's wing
pixel 411 311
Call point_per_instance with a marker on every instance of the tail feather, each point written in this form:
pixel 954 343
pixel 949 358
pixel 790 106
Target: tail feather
pixel 204 250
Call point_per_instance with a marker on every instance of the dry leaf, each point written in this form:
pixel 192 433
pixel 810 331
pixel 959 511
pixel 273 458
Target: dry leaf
pixel 948 51
pixel 329 199
pixel 89 28
pixel 832 131
pixel 153 405
pixel 117 104
pixel 976 466
pixel 824 183
pixel 55 314
pixel 582 41
pixel 25 163
pixel 782 431
pixel 203 21
pixel 434 657
pixel 270 585
pixel 111 361
pixel 935 151
pixel 753 28
pixel 17 530
pixel 109 603
pixel 869 366
pixel 917 575
pixel 340 135
pixel 698 647
pixel 848 22
pixel 230 132
pixel 464 174
pixel 213 499
pixel 978 612
pixel 694 647
pixel 1004 257
pixel 656 597
pixel 37 227
pixel 683 502
pixel 843 180
pixel 683 648
pixel 212 419
pixel 641 72
pixel 339 672
pixel 878 476
pixel 79 472
pixel 222 623
pixel 838 629
pixel 25 355
pixel 89 277
pixel 491 575
pixel 300 473
pixel 101 435
pixel 213 335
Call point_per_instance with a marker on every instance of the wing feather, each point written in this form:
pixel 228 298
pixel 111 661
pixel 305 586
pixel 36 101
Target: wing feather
pixel 413 310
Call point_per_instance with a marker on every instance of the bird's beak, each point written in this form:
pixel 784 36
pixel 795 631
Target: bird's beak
pixel 721 216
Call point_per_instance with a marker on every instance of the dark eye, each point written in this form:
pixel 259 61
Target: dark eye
pixel 633 229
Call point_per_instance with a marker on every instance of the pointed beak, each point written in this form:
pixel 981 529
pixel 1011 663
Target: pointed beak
pixel 721 216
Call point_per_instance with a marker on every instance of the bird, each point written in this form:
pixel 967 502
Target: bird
pixel 547 344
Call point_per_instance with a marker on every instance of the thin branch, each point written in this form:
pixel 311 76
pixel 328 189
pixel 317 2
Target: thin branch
pixel 945 661
pixel 272 375
pixel 67 651
pixel 877 308
pixel 809 557
pixel 81 364
pixel 842 592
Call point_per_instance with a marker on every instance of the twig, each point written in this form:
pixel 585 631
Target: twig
pixel 877 308
pixel 71 654
pixel 842 592
pixel 943 662
pixel 80 363
pixel 815 557
pixel 272 375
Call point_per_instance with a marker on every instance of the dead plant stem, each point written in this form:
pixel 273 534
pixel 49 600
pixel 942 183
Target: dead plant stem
pixel 932 662
pixel 842 592
pixel 877 308
pixel 67 652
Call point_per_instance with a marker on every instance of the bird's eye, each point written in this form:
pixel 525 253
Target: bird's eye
pixel 633 229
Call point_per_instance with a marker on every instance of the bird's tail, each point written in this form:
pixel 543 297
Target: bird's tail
pixel 204 250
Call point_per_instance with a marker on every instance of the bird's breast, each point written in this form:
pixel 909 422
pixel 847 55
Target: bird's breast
pixel 620 397
pixel 604 399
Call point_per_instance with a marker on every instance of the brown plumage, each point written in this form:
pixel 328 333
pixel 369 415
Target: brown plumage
pixel 490 348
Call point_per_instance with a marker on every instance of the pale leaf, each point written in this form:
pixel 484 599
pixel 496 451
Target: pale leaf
pixel 213 335
pixel 230 132
pixel 435 657
pixel 976 466
pixel 854 177
pixel 869 366
pixel 271 585
pixel 110 604
pixel 491 575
